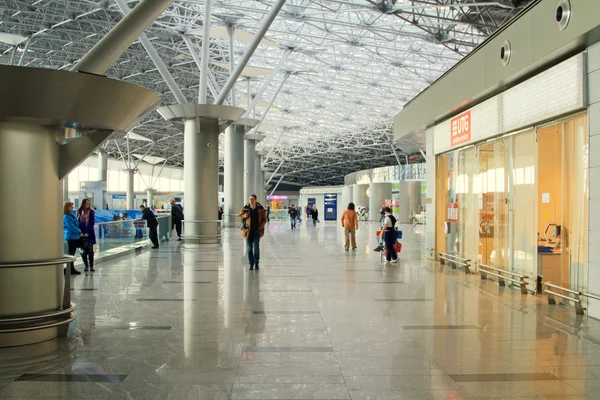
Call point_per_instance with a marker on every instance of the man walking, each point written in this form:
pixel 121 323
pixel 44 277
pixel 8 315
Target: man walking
pixel 177 216
pixel 152 223
pixel 350 224
pixel 254 218
pixel 293 213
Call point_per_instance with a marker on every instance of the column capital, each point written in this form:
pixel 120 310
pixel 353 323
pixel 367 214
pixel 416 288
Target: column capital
pixel 178 113
pixel 255 137
pixel 244 125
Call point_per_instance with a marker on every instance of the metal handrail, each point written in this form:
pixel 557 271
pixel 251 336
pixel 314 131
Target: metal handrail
pixel 454 261
pixel 485 270
pixel 39 316
pixel 38 327
pixel 63 260
pixel 576 299
pixel 591 296
pixel 121 221
pixel 217 236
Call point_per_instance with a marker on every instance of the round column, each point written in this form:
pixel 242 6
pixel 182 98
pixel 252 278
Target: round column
pixel 378 194
pixel 359 194
pixel 250 161
pixel 35 298
pixel 346 196
pixel 150 198
pixel 259 179
pixel 34 290
pixel 201 179
pixel 235 197
pixel 65 188
pixel 103 176
pixel 130 202
pixel 202 124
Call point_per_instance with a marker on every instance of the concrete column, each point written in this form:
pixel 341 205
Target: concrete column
pixel 150 197
pixel 359 194
pixel 130 202
pixel 102 166
pixel 103 176
pixel 378 193
pixel 259 179
pixel 249 175
pixel 201 129
pixel 35 298
pixel 250 161
pixel 346 197
pixel 233 186
pixel 201 178
pixel 65 188
pixel 35 289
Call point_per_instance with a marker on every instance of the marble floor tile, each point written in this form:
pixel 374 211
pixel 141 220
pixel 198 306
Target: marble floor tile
pixel 58 390
pixel 314 322
pixel 247 391
pixel 168 391
pixel 452 394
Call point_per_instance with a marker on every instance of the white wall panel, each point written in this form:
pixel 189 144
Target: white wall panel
pixel 554 92
pixel 594 216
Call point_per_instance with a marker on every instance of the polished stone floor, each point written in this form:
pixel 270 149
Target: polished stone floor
pixel 315 322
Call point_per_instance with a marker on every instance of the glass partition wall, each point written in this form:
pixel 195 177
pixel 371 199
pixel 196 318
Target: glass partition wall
pixel 494 199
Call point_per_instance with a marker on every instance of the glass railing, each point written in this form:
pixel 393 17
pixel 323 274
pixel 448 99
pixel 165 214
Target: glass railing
pixel 114 234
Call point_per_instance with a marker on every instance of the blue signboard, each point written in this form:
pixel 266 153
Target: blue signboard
pixel 330 206
pixel 122 196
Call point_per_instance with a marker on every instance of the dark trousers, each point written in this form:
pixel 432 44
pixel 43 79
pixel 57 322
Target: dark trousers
pixel 73 245
pixel 177 224
pixel 253 248
pixel 389 237
pixel 153 234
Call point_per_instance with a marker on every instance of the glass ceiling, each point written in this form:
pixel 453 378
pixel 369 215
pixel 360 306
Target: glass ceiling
pixel 337 70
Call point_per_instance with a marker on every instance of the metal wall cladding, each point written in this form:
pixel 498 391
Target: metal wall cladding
pixel 537 43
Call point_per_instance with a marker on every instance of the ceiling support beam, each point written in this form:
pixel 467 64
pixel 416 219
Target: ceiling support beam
pixel 271 102
pixel 275 172
pixel 230 32
pixel 266 84
pixel 211 85
pixel 202 95
pixel 250 51
pixel 24 52
pixel 276 185
pixel 156 60
pixel 119 38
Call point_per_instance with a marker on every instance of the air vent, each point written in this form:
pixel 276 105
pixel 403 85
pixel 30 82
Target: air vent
pixel 505 53
pixel 563 14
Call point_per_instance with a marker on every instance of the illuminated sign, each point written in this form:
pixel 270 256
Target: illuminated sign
pixel 460 129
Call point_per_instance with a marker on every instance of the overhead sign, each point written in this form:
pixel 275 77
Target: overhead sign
pixel 330 201
pixel 277 197
pixel 460 129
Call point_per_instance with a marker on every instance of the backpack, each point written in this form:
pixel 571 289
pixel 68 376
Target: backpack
pixel 393 219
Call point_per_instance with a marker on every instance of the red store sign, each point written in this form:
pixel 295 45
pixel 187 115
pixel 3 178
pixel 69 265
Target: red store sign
pixel 460 129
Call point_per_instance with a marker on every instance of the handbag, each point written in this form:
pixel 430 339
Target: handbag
pixel 86 246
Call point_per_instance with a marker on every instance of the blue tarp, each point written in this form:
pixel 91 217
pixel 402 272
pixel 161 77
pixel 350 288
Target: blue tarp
pixel 114 215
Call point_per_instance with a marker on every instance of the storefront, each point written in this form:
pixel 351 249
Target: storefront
pixel 512 180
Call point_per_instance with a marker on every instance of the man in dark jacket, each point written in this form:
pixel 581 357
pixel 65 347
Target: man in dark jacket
pixel 152 223
pixel 177 216
pixel 254 218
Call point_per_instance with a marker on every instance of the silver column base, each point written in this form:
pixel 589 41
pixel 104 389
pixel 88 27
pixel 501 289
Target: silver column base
pixel 42 290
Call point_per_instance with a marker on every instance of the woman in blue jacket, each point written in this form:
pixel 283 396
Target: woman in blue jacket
pixel 87 219
pixel 71 232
